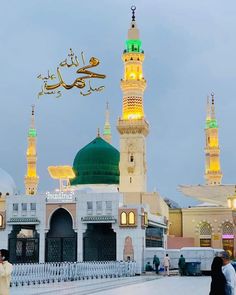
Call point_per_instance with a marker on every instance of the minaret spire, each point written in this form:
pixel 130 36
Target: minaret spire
pixel 213 174
pixel 213 116
pixel 31 177
pixel 133 8
pixel 132 126
pixel 208 116
pixel 107 126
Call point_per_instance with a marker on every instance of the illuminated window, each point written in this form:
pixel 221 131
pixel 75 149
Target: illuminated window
pixel 227 228
pixel 205 229
pixel 131 218
pixel 123 218
pixel 205 232
pixel 1 220
pixel 145 218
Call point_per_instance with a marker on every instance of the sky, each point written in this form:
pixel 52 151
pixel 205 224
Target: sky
pixel 190 50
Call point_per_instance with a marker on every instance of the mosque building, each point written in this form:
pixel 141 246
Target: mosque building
pixel 102 209
pixel 209 224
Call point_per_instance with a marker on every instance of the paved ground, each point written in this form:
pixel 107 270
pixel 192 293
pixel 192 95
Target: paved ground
pixel 135 285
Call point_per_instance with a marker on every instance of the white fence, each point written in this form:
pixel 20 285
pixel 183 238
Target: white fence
pixel 41 273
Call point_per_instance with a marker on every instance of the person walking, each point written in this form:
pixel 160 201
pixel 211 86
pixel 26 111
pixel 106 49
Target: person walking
pixel 5 272
pixel 156 263
pixel 229 273
pixel 181 265
pixel 166 264
pixel 218 280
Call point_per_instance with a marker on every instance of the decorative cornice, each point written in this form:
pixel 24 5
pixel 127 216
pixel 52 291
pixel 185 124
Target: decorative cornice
pixel 16 220
pixel 100 218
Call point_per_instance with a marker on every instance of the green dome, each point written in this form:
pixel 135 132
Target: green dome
pixel 97 163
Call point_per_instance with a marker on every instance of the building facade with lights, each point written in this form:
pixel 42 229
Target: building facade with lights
pixel 209 224
pixel 102 210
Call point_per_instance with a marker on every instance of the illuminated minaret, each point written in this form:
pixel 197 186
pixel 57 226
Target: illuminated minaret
pixel 31 178
pixel 132 126
pixel 107 126
pixel 213 174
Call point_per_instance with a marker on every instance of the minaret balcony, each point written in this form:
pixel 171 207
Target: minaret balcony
pixel 127 56
pixel 133 85
pixel 132 126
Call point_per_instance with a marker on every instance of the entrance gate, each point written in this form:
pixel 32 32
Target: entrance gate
pixel 61 240
pixel 24 244
pixel 99 243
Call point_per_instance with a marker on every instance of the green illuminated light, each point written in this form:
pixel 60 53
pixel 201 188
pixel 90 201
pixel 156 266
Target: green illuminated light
pixel 133 45
pixel 212 123
pixel 106 131
pixel 32 133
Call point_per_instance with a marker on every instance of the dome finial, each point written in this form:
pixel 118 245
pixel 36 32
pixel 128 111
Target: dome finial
pixel 98 134
pixel 133 8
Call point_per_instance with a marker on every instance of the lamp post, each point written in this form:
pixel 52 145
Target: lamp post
pixel 231 200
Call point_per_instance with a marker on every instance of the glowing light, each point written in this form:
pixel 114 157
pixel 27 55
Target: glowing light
pixel 123 218
pixel 133 45
pixel 213 142
pixel 132 76
pixel 1 220
pixel 229 202
pixel 134 116
pixel 61 172
pixel 211 123
pixel 131 218
pixel 106 131
pixel 227 236
pixel 32 132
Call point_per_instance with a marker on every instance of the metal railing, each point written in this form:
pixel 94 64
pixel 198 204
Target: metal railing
pixel 42 273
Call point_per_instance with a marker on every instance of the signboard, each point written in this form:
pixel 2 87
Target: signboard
pixel 216 237
pixel 60 197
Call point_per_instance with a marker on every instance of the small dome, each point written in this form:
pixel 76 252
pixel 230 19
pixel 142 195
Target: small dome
pixel 97 163
pixel 7 184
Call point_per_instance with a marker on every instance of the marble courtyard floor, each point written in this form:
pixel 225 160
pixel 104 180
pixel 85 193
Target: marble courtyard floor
pixel 118 286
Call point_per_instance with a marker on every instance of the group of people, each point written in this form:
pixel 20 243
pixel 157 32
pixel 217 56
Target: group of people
pixel 223 276
pixel 156 265
pixel 222 272
pixel 166 265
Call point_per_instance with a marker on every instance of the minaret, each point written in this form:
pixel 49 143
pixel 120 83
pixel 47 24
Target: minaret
pixel 107 126
pixel 132 126
pixel 31 178
pixel 213 174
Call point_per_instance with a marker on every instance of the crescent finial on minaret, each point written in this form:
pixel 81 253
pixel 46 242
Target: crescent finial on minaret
pixel 133 8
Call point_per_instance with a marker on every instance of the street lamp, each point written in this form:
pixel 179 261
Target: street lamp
pixel 231 200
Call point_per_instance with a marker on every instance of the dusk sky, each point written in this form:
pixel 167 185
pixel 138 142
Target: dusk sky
pixel 190 51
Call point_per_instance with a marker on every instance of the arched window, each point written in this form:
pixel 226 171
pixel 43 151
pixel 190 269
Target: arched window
pixel 227 229
pixel 228 237
pixel 205 229
pixel 131 218
pixel 1 220
pixel 123 218
pixel 205 232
